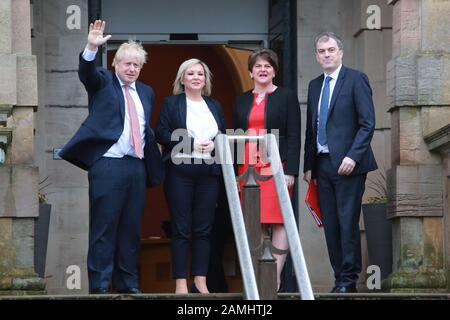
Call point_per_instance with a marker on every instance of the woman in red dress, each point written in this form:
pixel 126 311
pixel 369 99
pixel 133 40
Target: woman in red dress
pixel 270 109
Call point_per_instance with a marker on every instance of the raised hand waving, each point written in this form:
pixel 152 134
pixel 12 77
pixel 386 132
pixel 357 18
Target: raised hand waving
pixel 95 37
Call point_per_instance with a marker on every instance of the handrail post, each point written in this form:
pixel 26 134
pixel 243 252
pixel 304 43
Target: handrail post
pixel 252 217
pixel 264 263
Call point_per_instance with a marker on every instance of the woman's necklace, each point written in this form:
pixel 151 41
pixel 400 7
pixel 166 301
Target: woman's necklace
pixel 261 95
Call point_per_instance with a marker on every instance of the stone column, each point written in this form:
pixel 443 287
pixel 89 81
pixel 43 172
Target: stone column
pixel 419 98
pixel 18 176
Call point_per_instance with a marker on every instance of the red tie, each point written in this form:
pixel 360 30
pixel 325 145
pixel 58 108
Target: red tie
pixel 135 131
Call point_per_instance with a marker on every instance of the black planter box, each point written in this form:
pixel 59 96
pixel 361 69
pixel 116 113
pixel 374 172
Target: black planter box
pixel 379 237
pixel 41 228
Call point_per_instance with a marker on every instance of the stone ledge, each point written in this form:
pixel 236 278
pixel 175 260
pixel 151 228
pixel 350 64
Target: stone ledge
pixel 5 135
pixel 14 294
pixel 416 282
pixel 415 191
pixel 27 284
pixel 21 295
pixel 14 283
pixel 5 112
pixel 417 80
pixel 439 140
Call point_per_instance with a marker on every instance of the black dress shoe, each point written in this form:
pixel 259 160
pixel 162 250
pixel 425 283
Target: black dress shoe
pixel 346 289
pixel 99 291
pixel 130 291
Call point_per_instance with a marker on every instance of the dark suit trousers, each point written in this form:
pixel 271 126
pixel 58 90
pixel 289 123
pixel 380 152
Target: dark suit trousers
pixel 117 196
pixel 340 204
pixel 191 193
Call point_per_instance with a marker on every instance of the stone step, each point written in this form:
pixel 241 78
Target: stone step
pixel 232 296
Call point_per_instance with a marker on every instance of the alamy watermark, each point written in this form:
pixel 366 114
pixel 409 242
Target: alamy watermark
pixel 73 280
pixel 373 282
pixel 73 20
pixel 244 148
pixel 374 19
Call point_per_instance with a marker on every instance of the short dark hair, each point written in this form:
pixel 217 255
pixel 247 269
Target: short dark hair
pixel 266 54
pixel 326 35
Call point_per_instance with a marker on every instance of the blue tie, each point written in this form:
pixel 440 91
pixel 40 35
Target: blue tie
pixel 322 132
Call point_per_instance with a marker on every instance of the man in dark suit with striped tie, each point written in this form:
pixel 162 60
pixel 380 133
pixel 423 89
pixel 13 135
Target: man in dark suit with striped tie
pixel 340 126
pixel 116 145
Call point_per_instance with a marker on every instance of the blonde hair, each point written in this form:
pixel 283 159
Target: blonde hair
pixel 178 87
pixel 130 49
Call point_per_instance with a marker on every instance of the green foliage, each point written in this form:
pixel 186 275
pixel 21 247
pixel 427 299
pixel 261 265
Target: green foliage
pixel 42 196
pixel 374 200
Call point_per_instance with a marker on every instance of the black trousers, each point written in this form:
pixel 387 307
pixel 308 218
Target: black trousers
pixel 191 193
pixel 340 204
pixel 117 195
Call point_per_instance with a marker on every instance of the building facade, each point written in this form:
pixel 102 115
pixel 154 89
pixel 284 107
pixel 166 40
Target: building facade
pixel 401 45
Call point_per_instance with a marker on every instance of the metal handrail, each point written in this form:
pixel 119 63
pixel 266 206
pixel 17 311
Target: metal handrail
pixel 290 224
pixel 295 246
pixel 237 220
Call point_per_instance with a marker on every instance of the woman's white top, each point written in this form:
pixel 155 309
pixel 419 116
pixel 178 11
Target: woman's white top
pixel 201 126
